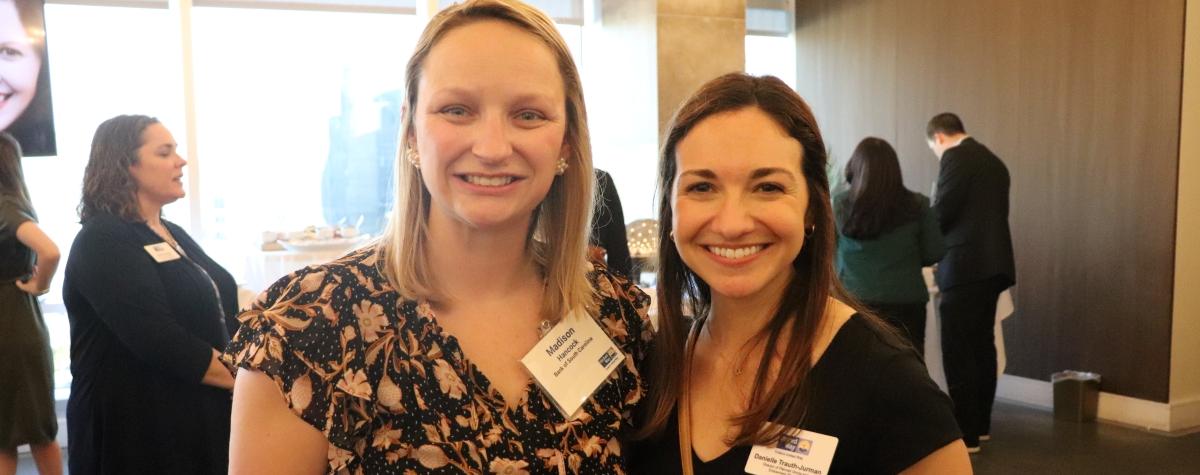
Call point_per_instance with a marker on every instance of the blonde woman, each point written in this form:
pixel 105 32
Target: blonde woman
pixel 408 355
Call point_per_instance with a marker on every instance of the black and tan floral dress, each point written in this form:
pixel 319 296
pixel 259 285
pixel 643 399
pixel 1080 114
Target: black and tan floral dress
pixel 394 394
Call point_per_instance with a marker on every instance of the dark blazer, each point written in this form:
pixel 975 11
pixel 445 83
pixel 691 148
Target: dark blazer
pixel 142 337
pixel 972 210
pixel 608 225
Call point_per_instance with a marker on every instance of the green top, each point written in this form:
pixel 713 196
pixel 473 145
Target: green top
pixel 887 269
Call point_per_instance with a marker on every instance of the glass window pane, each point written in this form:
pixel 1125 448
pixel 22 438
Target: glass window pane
pixel 773 55
pixel 297 120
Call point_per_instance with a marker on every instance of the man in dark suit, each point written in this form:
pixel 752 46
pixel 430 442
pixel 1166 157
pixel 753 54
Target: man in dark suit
pixel 971 203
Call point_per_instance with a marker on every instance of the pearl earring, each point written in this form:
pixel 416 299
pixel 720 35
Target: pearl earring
pixel 413 158
pixel 561 166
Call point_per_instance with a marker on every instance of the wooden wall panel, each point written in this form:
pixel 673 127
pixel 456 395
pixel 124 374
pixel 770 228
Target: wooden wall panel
pixel 1081 100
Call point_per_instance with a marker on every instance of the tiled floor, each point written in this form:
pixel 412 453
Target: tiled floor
pixel 1030 441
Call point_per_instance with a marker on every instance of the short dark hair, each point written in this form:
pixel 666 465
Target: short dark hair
pixel 108 187
pixel 946 123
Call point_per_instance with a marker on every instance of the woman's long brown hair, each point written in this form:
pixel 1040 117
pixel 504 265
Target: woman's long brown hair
pixel 797 319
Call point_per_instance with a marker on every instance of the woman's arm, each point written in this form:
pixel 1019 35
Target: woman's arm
pixel 217 373
pixel 266 436
pixel 122 287
pixel 47 257
pixel 951 459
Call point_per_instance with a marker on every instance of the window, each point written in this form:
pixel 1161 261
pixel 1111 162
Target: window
pixel 298 114
pixel 770 42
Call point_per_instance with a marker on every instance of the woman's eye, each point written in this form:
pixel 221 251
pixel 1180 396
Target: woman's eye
pixel 771 188
pixel 529 116
pixel 698 188
pixel 10 52
pixel 456 111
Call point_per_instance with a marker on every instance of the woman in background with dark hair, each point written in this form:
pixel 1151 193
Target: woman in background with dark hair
pixel 25 111
pixel 886 234
pixel 776 361
pixel 149 312
pixel 28 259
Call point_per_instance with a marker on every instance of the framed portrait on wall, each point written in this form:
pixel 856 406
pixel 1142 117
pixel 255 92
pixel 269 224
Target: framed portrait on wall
pixel 25 106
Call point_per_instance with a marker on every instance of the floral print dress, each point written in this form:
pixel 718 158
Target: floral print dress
pixel 394 394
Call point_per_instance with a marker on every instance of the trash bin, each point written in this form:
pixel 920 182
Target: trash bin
pixel 1076 394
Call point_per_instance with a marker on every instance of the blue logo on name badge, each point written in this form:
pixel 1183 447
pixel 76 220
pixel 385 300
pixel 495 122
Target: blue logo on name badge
pixel 607 358
pixel 794 444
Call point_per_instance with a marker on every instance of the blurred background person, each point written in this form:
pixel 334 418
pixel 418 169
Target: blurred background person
pixel 28 259
pixel 972 204
pixel 25 111
pixel 608 227
pixel 886 234
pixel 148 312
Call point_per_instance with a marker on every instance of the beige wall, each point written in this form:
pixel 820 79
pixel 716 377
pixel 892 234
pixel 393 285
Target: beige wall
pixel 697 40
pixel 1185 334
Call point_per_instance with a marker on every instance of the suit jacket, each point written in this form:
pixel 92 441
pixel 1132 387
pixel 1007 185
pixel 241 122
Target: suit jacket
pixel 972 209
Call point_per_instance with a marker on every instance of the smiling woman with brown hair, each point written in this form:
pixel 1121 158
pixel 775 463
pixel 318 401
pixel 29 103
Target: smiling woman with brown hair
pixel 776 360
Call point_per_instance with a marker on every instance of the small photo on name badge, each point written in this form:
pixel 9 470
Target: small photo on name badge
pixel 608 358
pixel 794 444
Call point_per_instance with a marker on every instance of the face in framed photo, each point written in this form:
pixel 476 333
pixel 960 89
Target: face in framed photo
pixel 25 106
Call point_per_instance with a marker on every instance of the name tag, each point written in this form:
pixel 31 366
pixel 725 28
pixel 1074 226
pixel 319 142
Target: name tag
pixel 797 452
pixel 572 360
pixel 161 252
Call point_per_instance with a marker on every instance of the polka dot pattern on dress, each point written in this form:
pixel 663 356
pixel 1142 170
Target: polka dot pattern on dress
pixel 392 392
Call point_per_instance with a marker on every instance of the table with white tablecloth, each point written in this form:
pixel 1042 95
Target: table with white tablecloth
pixel 263 268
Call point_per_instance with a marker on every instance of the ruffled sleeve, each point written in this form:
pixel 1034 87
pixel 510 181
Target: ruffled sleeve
pixel 624 311
pixel 298 334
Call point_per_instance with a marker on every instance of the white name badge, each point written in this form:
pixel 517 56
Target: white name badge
pixel 161 252
pixel 797 452
pixel 572 360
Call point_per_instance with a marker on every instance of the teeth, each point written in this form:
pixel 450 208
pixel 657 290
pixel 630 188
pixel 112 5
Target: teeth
pixel 735 252
pixel 489 181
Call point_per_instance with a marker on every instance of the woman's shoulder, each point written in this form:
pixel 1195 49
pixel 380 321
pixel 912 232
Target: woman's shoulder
pixel 340 282
pixel 611 287
pixel 621 306
pixel 868 340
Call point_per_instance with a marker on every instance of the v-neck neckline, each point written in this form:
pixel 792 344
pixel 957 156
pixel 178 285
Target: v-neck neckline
pixel 476 375
pixel 832 342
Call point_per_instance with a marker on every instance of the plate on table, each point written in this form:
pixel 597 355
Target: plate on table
pixel 323 245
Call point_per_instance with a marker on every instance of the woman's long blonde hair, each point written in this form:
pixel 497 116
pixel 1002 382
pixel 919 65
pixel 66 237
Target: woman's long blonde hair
pixel 558 237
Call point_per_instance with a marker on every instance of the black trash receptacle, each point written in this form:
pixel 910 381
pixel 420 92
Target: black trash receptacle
pixel 1076 395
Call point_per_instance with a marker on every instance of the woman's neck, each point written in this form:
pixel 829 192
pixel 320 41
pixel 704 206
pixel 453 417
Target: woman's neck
pixel 735 321
pixel 150 211
pixel 479 264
